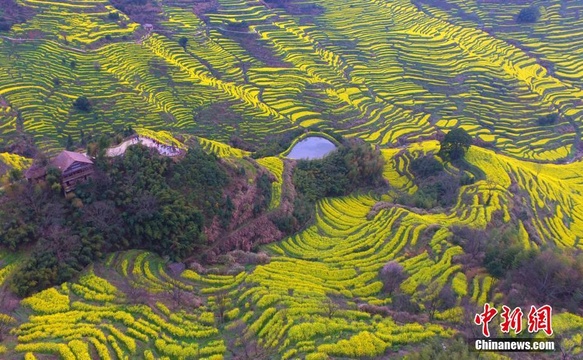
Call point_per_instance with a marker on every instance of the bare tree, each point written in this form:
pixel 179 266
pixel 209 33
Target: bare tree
pixel 221 306
pixel 474 242
pixel 177 296
pixel 101 214
pixel 392 275
pixel 468 328
pixel 136 294
pixel 331 308
pixel 434 300
pixel 246 347
pixel 61 241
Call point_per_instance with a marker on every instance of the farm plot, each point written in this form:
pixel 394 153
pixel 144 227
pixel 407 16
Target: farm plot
pixel 75 22
pixel 311 299
pixel 94 317
pixel 358 68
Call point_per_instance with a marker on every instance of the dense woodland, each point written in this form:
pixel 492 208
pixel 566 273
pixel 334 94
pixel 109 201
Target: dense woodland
pixel 527 276
pixel 140 200
pixel 11 13
pixel 146 201
pixel 352 167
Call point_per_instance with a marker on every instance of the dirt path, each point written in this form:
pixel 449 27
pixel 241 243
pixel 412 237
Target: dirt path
pixel 166 150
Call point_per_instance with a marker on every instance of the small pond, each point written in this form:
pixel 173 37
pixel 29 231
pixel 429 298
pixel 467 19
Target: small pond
pixel 310 148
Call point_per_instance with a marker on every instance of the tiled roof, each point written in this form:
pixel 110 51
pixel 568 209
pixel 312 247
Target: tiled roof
pixel 67 158
pixel 35 172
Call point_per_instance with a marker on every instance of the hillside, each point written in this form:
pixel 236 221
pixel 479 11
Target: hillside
pixel 391 271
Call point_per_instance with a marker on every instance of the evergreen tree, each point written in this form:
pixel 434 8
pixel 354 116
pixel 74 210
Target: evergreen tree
pixel 455 144
pixel 183 41
pixel 82 103
pixel 69 143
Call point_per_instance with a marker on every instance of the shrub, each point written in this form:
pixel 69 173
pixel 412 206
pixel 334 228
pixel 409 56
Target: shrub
pixel 403 302
pixel 546 120
pixel 249 258
pixel 113 16
pixel 530 14
pixel 4 25
pixel 374 309
pixel 500 259
pixel 426 166
pixel 183 41
pixel 439 301
pixel 439 190
pixel 467 179
pixel 498 250
pixel 82 104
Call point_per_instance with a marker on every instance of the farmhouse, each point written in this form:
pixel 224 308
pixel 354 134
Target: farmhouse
pixel 75 168
pixel 35 173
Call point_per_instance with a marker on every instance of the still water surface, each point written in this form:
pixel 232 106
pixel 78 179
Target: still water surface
pixel 310 148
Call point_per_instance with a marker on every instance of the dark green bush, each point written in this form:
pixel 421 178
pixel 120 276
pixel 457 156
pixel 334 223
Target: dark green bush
pixel 467 179
pixel 527 15
pixel 4 25
pixel 82 103
pixel 114 16
pixel 547 120
pixel 426 166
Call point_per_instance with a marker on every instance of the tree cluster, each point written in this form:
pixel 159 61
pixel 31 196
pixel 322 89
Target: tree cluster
pixel 528 15
pixel 498 250
pixel 549 277
pixel 113 16
pixel 435 186
pixel 82 103
pixel 352 167
pixel 140 200
pixel 526 276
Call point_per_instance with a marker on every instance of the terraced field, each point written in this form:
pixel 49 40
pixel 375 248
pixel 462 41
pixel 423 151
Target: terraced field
pixel 397 74
pixel 358 68
pixel 310 300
